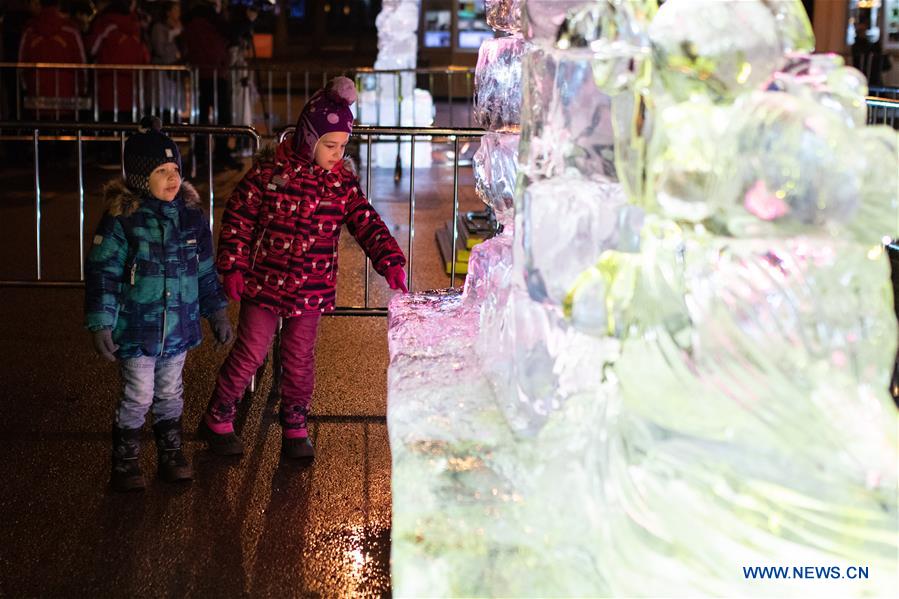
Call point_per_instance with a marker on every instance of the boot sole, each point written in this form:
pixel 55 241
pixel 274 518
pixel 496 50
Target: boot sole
pixel 179 477
pixel 129 486
pixel 204 433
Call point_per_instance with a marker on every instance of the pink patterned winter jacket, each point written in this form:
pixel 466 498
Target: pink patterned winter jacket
pixel 281 228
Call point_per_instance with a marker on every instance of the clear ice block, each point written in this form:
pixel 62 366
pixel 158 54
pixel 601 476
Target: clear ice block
pixel 497 99
pixel 568 223
pixel 736 49
pixel 397 25
pixel 567 120
pixel 496 170
pixel 825 80
pixel 504 15
pixel 542 19
pixel 784 168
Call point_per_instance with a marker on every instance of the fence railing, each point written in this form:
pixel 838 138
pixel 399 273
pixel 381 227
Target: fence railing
pixel 82 133
pixel 98 132
pixel 95 92
pixel 253 95
pixel 883 111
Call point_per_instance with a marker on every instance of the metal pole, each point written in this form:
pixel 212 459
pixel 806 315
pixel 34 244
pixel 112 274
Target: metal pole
pixel 411 210
pixel 289 119
pixel 115 95
pixel 232 74
pixel 209 173
pixel 215 96
pixel 468 95
pixel 37 92
pixel 398 168
pixel 268 120
pixel 455 209
pixel 368 193
pixel 37 200
pixel 56 91
pixel 137 101
pixel 449 92
pixel 80 206
pixel 431 84
pixel 122 153
pixel 18 94
pixel 96 96
pixel 77 96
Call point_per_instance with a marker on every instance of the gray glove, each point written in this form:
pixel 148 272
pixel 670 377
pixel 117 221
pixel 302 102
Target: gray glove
pixel 103 344
pixel 221 328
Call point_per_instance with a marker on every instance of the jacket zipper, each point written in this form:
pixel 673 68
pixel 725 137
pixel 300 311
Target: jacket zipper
pixel 258 245
pixel 165 302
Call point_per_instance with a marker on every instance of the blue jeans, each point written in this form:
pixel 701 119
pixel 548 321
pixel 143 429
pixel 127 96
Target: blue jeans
pixel 150 382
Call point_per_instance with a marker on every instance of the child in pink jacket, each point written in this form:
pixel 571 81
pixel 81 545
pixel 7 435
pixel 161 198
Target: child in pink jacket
pixel 278 256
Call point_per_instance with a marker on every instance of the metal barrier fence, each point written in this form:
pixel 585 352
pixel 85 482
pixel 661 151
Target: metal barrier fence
pixel 883 111
pixel 434 135
pixel 74 132
pixel 451 83
pixel 57 91
pixel 254 94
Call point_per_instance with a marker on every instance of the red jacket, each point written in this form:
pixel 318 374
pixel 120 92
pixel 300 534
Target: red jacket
pixel 114 38
pixel 52 37
pixel 205 43
pixel 281 228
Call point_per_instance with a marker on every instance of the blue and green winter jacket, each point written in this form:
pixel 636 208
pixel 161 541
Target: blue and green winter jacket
pixel 150 273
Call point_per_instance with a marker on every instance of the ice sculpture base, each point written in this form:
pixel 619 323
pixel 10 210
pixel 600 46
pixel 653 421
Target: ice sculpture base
pixel 477 512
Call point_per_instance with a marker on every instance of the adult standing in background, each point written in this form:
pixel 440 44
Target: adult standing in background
pixel 206 47
pixel 164 50
pixel 53 37
pixel 115 38
pixel 242 52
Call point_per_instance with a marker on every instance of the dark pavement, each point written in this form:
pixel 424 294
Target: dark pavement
pixel 256 526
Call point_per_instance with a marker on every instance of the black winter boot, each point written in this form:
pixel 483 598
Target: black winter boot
pixel 298 448
pixel 173 466
pixel 224 444
pixel 126 473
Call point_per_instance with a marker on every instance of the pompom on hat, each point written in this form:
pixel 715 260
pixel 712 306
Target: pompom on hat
pixel 328 110
pixel 145 151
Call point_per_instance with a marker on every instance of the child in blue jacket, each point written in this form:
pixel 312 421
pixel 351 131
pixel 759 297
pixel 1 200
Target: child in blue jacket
pixel 150 276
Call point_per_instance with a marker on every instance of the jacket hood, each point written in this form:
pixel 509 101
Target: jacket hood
pixel 49 21
pixel 122 201
pixel 126 22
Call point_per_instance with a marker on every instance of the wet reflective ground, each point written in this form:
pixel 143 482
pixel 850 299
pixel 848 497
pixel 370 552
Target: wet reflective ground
pixel 256 526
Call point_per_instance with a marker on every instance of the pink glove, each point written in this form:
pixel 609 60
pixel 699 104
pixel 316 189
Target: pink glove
pixel 396 278
pixel 233 284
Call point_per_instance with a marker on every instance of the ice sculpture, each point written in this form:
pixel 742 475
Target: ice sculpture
pixel 541 19
pixel 701 388
pixel 497 100
pixel 504 15
pixel 397 25
pixel 569 118
pixel 496 169
pixel 391 99
pixel 590 219
pixel 735 50
pixel 824 79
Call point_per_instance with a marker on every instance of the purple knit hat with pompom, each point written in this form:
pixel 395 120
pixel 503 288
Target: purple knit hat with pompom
pixel 326 111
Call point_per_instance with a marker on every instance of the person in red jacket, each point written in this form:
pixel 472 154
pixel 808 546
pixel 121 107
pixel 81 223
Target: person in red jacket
pixel 53 37
pixel 115 38
pixel 278 256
